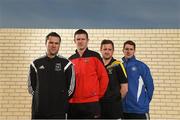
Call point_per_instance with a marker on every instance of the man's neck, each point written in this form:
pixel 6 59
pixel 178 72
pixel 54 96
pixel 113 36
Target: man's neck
pixel 127 58
pixel 81 52
pixel 51 56
pixel 107 61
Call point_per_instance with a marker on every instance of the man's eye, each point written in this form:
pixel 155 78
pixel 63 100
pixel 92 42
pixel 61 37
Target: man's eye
pixel 128 49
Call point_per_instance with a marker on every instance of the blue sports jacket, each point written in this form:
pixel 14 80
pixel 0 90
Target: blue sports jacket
pixel 140 86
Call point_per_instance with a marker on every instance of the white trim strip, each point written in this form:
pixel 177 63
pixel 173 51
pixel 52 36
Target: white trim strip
pixel 67 65
pixel 30 89
pixel 34 67
pixel 147 116
pixel 72 84
pixel 141 83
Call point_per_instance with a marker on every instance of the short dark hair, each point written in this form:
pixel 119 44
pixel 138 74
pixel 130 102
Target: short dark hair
pixel 107 42
pixel 53 34
pixel 81 31
pixel 130 42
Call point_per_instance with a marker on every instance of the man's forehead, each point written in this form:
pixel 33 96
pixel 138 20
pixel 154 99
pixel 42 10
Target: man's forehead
pixel 53 38
pixel 80 35
pixel 128 45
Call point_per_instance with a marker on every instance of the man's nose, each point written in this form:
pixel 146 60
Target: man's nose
pixel 80 40
pixel 106 52
pixel 53 44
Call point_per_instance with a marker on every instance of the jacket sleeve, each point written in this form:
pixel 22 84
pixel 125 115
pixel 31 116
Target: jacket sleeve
pixel 32 78
pixel 102 77
pixel 70 76
pixel 148 81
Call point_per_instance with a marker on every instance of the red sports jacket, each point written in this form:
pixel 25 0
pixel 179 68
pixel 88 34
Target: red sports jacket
pixel 91 77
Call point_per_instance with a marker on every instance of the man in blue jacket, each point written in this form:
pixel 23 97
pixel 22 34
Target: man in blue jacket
pixel 140 85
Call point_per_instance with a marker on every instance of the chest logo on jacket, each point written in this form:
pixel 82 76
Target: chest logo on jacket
pixel 134 68
pixel 41 67
pixel 58 67
pixel 86 60
pixel 109 68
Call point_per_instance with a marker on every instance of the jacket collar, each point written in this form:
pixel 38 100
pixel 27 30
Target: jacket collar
pixel 51 58
pixel 112 60
pixel 129 59
pixel 85 52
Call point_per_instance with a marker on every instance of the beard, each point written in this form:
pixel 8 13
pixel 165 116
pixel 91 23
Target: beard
pixel 53 53
pixel 81 47
pixel 107 58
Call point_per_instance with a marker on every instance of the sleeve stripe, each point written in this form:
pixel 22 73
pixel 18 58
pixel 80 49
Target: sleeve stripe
pixel 34 67
pixel 122 66
pixel 72 84
pixel 30 89
pixel 67 65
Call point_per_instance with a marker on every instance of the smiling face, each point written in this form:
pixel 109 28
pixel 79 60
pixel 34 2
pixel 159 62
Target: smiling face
pixel 107 51
pixel 52 46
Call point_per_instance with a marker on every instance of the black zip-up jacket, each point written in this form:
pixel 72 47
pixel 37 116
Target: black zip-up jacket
pixel 51 82
pixel 117 76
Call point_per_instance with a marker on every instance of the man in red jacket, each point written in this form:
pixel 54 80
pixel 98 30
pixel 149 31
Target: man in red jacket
pixel 91 79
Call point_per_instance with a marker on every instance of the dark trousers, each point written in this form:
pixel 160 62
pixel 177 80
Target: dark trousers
pixel 111 110
pixel 53 116
pixel 84 110
pixel 144 116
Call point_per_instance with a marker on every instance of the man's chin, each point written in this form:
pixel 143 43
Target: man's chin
pixel 129 57
pixel 53 54
pixel 107 58
pixel 82 48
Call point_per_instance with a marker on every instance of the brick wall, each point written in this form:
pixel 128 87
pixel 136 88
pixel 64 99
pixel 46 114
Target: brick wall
pixel 159 48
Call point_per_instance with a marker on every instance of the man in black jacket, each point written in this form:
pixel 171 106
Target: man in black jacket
pixel 111 103
pixel 51 82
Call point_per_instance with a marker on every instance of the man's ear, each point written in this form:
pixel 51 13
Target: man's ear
pixel 100 49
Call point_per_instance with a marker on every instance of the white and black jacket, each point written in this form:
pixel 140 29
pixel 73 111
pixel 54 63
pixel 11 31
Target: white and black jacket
pixel 51 82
